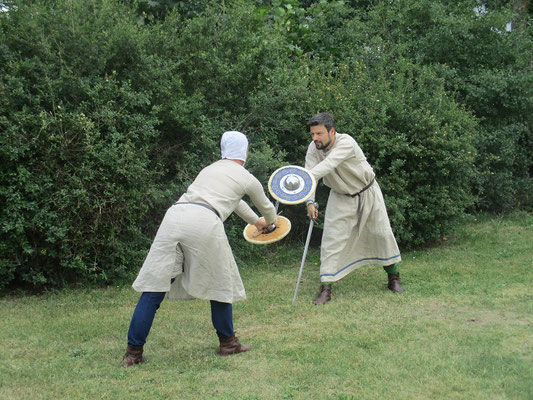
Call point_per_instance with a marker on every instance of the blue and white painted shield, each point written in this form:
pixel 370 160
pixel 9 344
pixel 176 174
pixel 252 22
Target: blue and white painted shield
pixel 291 184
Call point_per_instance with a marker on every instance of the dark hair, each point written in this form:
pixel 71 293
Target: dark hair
pixel 322 119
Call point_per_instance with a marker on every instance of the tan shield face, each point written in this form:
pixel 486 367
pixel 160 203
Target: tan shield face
pixel 252 235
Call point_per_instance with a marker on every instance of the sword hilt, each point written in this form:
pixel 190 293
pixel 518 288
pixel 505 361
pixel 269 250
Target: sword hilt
pixel 315 204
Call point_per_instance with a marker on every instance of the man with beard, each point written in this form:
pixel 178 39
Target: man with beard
pixel 357 230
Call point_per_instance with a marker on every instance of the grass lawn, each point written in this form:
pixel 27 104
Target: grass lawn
pixel 463 329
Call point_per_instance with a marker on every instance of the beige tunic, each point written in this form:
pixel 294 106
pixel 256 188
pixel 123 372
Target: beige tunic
pixel 357 230
pixel 191 244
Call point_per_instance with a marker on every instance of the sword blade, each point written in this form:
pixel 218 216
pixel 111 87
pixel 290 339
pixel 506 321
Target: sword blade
pixel 311 223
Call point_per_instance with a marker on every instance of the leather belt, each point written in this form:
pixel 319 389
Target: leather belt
pixel 202 205
pixel 365 188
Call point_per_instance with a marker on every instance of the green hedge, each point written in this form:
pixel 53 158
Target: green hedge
pixel 487 69
pixel 79 113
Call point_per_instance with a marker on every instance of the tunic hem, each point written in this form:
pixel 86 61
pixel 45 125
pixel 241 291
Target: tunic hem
pixel 341 273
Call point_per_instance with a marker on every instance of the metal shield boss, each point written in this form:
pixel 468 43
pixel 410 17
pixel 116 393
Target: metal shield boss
pixel 291 184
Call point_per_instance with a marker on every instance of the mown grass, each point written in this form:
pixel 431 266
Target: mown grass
pixel 462 330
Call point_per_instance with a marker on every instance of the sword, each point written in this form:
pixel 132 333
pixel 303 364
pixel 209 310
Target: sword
pixel 311 223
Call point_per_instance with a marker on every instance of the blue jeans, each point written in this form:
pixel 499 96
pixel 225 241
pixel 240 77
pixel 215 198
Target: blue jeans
pixel 149 302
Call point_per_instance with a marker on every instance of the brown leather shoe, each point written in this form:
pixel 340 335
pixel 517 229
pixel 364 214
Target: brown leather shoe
pixel 394 284
pixel 324 295
pixel 133 356
pixel 231 345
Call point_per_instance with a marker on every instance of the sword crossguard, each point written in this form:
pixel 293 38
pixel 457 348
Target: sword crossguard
pixel 314 203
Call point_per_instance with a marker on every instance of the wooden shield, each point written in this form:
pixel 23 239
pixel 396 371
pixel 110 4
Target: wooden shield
pixel 252 235
pixel 291 184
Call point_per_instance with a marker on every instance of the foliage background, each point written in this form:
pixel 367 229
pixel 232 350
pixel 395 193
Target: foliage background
pixel 109 109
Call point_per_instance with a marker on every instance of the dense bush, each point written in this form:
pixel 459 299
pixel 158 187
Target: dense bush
pixel 488 70
pixel 79 118
pixel 109 109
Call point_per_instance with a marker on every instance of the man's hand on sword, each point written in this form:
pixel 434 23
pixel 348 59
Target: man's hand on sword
pixel 312 210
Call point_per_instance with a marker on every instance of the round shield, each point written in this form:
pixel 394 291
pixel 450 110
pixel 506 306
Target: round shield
pixel 252 235
pixel 291 184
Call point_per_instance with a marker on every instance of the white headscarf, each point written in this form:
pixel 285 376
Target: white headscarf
pixel 234 145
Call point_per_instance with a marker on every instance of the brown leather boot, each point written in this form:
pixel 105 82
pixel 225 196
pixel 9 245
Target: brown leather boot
pixel 394 283
pixel 133 356
pixel 231 345
pixel 324 295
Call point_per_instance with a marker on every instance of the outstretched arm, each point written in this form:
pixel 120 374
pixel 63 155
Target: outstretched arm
pixel 341 152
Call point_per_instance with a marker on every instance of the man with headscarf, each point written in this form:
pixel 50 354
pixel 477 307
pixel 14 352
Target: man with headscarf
pixel 191 256
pixel 357 231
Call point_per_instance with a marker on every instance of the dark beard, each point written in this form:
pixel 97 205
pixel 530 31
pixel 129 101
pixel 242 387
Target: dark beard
pixel 324 146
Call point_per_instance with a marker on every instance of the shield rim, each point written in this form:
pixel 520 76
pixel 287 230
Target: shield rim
pixel 284 201
pixel 274 240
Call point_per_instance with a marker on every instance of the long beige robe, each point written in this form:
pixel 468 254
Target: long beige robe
pixel 191 244
pixel 357 230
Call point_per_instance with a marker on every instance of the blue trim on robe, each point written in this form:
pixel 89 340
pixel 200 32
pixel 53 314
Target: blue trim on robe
pixel 362 259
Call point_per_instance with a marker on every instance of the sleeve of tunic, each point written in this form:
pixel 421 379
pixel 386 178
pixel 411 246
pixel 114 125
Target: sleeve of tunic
pixel 341 152
pixel 259 198
pixel 244 211
pixel 256 193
